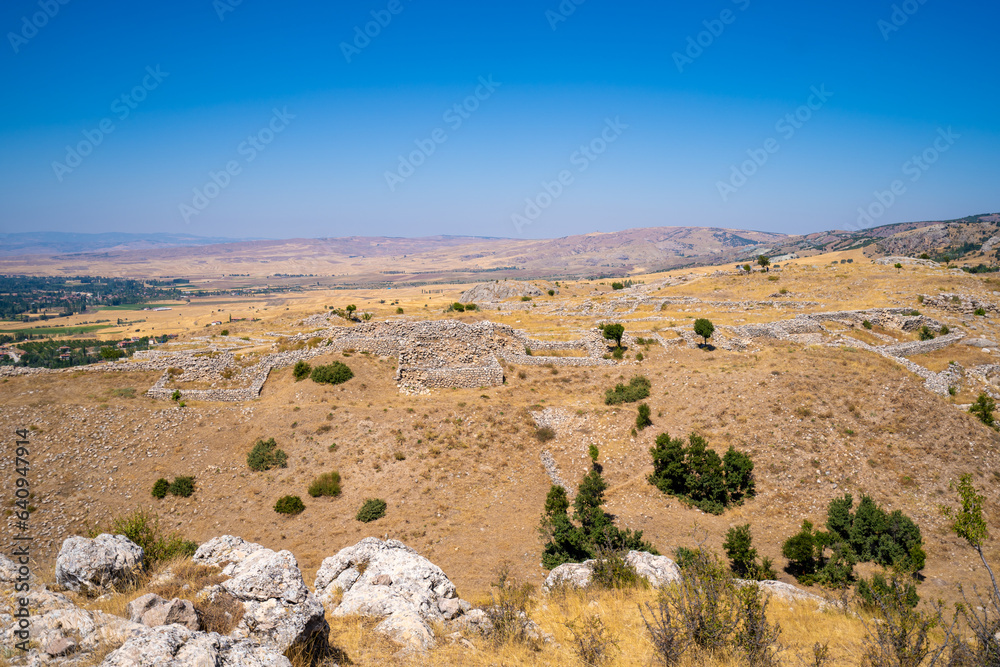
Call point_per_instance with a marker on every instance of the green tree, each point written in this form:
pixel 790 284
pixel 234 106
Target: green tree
pixel 897 266
pixel 704 328
pixel 614 332
pixel 800 549
pixel 969 523
pixel 743 556
pixel 764 262
pixel 111 353
pixel 350 310
pixel 983 409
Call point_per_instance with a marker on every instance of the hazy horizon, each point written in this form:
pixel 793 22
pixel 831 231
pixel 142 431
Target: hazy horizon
pixel 521 120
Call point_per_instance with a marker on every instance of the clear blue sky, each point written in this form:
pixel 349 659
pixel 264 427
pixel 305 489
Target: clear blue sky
pixel 674 126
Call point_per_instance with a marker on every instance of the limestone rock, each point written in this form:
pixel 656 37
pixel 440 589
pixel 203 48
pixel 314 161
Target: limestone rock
pixel 391 580
pixel 96 563
pixel 8 570
pixel 152 610
pixel 499 290
pixel 221 551
pixel 657 570
pixel 278 609
pixel 176 646
pixel 264 575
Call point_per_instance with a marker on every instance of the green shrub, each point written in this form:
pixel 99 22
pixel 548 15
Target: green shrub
pixel 399 310
pixel 265 455
pixel 334 373
pixel 327 484
pixel 160 488
pixel 545 433
pixel 182 486
pixel 611 571
pixel 471 306
pixel 983 409
pixel 870 592
pixel 944 329
pixel 926 333
pixel 224 332
pixel 619 353
pixel 176 396
pixel 696 474
pixel 639 357
pixel 642 419
pixel 552 292
pixel 301 370
pixel 636 390
pixel 525 298
pixel 289 505
pixel 143 528
pixel 981 312
pixel 743 556
pixel 372 510
pixel 866 324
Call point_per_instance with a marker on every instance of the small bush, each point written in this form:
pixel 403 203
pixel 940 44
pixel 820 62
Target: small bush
pixel 289 505
pixel 334 373
pixel 372 510
pixel 636 390
pixel 509 609
pixel 545 433
pixel 182 486
pixel 160 488
pixel 266 455
pixel 222 613
pixel 301 370
pixel 525 298
pixel 639 356
pixel 944 329
pixel 926 333
pixel 176 396
pixel 866 324
pixel 981 312
pixel 743 556
pixel 552 292
pixel 471 306
pixel 143 528
pixel 327 484
pixel 123 392
pixel 593 643
pixel 642 419
pixel 612 571
pixel 399 310
pixel 618 353
pixel 224 332
pixel 983 409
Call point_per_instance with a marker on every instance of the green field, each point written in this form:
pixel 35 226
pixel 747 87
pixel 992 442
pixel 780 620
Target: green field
pixel 58 331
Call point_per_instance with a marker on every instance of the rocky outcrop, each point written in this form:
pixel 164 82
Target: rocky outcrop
pixel 152 610
pixel 176 646
pixel 278 609
pixel 390 580
pixel 85 563
pixel 657 570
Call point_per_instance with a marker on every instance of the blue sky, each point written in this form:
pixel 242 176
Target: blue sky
pixel 285 119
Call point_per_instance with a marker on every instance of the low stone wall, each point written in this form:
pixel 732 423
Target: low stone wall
pixel 922 346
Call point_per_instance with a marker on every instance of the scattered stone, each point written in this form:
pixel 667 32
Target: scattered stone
pixel 152 610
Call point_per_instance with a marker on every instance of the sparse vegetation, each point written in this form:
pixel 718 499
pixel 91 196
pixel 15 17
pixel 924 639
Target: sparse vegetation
pixel 372 510
pixel 266 455
pixel 642 419
pixel 289 505
pixel 327 484
pixel 301 370
pixel 181 486
pixel 983 409
pixel 334 373
pixel 143 528
pixel 636 390
pixel 743 559
pixel 160 488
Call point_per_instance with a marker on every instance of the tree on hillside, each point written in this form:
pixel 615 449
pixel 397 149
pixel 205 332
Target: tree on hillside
pixel 968 522
pixel 350 310
pixel 764 261
pixel 614 332
pixel 590 530
pixel 897 266
pixel 983 409
pixel 704 328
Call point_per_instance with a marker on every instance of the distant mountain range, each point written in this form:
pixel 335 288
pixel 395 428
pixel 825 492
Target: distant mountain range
pixel 382 261
pixel 54 243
